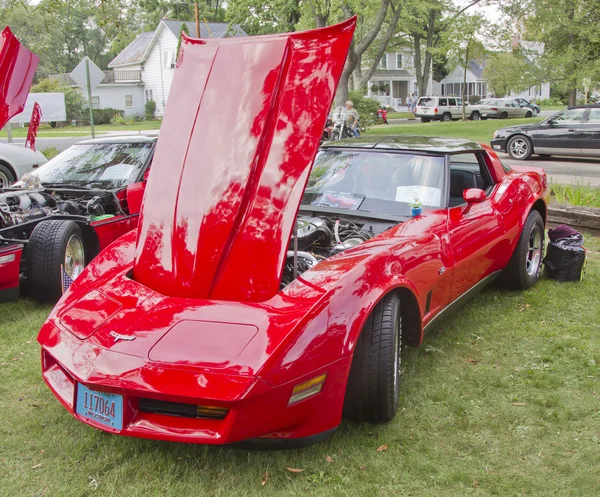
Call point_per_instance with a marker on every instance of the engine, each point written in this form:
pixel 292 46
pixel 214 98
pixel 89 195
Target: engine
pixel 20 207
pixel 318 238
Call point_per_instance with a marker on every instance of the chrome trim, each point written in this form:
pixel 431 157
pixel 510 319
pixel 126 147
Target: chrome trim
pixel 465 297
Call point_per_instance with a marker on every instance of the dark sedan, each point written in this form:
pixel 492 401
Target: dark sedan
pixel 574 131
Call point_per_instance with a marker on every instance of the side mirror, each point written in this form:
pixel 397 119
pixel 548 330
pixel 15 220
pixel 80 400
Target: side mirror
pixel 473 196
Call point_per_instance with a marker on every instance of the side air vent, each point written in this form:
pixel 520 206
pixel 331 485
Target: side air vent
pixel 181 409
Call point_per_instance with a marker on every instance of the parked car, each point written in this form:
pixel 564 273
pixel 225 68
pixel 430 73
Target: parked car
pixel 16 160
pixel 498 108
pixel 68 210
pixel 257 303
pixel 574 131
pixel 439 109
pixel 535 108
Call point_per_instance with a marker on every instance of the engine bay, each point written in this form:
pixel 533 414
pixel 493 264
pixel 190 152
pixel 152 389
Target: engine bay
pixel 19 207
pixel 316 238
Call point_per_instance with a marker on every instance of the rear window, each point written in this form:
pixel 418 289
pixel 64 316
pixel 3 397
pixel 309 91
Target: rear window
pixel 426 102
pixel 443 102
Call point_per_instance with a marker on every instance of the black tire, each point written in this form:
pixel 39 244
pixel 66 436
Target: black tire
pixel 519 147
pixel 374 382
pixel 529 114
pixel 46 253
pixel 425 120
pixel 476 116
pixel 6 175
pixel 447 118
pixel 504 115
pixel 523 269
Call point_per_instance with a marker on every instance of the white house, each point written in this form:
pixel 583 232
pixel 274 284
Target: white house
pixel 144 69
pixel 394 79
pixel 154 55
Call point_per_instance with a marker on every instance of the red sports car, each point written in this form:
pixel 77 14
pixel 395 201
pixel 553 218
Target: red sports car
pixel 261 299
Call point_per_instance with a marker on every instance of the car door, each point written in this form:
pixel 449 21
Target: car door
pixel 474 229
pixel 559 134
pixel 590 134
pixel 453 108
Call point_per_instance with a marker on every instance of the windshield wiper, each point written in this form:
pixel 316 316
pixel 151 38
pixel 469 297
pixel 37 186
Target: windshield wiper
pixel 66 185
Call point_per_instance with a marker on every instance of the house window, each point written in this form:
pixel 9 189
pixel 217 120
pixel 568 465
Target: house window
pixel 399 60
pixel 383 62
pixel 380 88
pixel 128 101
pixel 95 102
pixel 148 95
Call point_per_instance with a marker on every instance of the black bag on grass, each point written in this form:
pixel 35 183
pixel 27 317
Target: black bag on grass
pixel 565 258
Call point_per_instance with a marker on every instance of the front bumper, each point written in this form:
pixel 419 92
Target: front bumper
pixel 10 263
pixel 257 416
pixel 498 144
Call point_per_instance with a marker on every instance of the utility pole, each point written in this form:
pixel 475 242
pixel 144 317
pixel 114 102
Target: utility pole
pixel 197 19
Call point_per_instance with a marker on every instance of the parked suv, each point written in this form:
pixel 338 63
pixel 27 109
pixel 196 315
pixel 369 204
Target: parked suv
pixel 439 108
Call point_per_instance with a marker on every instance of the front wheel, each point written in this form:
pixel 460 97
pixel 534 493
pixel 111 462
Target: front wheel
pixel 6 176
pixel 55 256
pixel 519 147
pixel 523 270
pixel 475 116
pixel 373 385
pixel 504 115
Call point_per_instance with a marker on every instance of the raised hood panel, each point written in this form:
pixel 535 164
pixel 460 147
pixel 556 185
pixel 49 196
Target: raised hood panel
pixel 17 67
pixel 240 131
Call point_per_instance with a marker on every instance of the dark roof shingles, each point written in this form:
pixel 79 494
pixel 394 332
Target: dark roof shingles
pixel 134 52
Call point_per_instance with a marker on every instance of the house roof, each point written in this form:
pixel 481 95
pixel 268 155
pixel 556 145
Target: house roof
pixel 477 68
pixel 134 52
pixel 392 73
pixel 137 51
pixel 207 30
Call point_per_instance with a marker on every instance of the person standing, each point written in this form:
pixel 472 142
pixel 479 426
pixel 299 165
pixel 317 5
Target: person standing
pixel 352 118
pixel 408 102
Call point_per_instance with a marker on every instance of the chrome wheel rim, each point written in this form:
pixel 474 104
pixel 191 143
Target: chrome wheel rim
pixel 519 148
pixel 74 257
pixel 4 181
pixel 534 252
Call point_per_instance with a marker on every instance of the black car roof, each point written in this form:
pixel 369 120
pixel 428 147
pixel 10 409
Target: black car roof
pixel 434 144
pixel 120 139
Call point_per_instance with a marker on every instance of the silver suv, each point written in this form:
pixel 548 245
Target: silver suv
pixel 439 108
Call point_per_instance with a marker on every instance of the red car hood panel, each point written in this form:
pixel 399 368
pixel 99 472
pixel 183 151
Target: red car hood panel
pixel 239 134
pixel 17 67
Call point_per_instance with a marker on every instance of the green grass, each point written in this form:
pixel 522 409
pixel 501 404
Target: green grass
pixel 48 132
pixel 577 194
pixel 481 131
pixel 502 400
pixel 400 115
pixel 553 107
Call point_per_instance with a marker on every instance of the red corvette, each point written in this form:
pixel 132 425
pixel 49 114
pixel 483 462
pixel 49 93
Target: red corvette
pixel 259 301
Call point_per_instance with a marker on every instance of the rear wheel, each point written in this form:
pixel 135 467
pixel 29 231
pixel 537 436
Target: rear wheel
pixel 519 147
pixel 447 118
pixel 374 382
pixel 529 114
pixel 425 120
pixel 6 176
pixel 53 245
pixel 504 115
pixel 523 270
pixel 475 116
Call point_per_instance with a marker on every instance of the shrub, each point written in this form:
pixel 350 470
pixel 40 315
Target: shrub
pixel 104 116
pixel 150 108
pixel 548 102
pixel 50 152
pixel 366 108
pixel 577 194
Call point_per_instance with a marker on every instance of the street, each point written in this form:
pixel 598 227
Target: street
pixel 565 170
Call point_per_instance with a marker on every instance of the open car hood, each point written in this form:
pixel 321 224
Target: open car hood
pixel 241 128
pixel 17 67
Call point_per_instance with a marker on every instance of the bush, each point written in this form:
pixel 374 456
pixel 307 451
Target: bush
pixel 105 116
pixel 548 102
pixel 50 152
pixel 120 120
pixel 150 107
pixel 366 108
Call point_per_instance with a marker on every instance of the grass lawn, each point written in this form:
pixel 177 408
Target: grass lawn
pixel 48 132
pixel 553 107
pixel 481 131
pixel 400 115
pixel 502 400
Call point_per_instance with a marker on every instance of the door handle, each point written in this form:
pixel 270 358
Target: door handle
pixel 572 130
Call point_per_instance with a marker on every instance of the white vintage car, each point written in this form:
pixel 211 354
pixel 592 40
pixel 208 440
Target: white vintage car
pixel 16 160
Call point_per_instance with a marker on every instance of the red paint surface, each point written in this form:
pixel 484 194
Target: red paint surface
pixel 17 67
pixel 10 260
pixel 243 354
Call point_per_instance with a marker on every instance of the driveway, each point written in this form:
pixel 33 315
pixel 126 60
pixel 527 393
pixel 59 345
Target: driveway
pixel 563 170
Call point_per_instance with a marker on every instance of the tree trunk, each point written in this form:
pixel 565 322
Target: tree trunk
pixel 430 38
pixel 572 97
pixel 418 64
pixel 464 88
pixel 342 92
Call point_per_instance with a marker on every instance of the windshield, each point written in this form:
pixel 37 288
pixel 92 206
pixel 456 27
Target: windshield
pixel 377 182
pixel 99 165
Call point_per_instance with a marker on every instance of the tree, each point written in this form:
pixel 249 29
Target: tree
pixel 183 30
pixel 507 72
pixel 464 46
pixel 258 17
